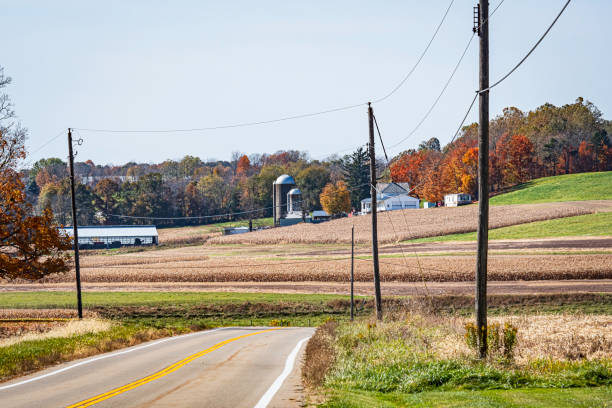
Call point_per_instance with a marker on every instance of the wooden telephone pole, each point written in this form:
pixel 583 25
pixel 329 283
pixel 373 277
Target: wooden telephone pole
pixel 352 272
pixel 374 220
pixel 483 179
pixel 75 226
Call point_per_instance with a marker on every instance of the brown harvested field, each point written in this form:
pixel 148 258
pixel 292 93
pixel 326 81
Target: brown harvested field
pixel 410 224
pixel 185 235
pixel 329 269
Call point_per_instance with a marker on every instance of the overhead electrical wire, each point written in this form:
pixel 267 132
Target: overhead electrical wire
pixel 414 67
pixel 530 51
pixel 450 78
pixel 39 148
pixel 292 117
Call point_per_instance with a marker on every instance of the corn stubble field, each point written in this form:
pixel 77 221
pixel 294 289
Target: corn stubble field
pixel 411 224
pixel 174 267
pixel 319 252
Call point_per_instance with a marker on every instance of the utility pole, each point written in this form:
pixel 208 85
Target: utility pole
pixel 352 271
pixel 75 226
pixel 374 220
pixel 483 179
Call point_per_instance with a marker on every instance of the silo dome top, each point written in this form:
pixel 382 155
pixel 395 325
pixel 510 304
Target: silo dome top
pixel 285 179
pixel 295 191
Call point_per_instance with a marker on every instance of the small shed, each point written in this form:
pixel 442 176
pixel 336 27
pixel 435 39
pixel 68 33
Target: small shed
pixel 454 200
pixel 114 236
pixel 320 216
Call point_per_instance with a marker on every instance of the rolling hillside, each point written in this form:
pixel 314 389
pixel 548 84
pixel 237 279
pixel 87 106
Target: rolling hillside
pixel 568 187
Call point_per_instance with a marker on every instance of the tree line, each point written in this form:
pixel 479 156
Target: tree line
pixel 549 140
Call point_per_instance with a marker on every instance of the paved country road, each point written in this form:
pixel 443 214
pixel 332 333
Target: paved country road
pixel 226 367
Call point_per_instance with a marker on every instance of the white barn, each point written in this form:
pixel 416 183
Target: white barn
pixel 114 236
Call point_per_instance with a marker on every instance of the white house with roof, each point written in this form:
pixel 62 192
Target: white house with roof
pixel 391 196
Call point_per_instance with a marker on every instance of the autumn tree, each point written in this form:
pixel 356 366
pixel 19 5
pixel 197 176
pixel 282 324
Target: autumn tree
pixel 243 166
pixel 31 246
pixel 519 158
pixel 105 191
pixel 431 144
pixel 335 198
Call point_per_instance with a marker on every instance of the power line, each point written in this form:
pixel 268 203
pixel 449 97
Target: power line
pixel 433 105
pixel 529 53
pixel 39 148
pixel 229 126
pixel 454 71
pixel 292 117
pixel 409 74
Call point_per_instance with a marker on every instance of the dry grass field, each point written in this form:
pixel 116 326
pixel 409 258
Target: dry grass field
pixel 410 224
pixel 15 332
pixel 562 337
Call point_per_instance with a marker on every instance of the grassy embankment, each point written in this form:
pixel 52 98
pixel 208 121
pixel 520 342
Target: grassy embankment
pixel 570 187
pixel 567 187
pixel 423 360
pixel 599 224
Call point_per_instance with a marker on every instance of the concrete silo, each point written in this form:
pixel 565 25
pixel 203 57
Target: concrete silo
pixel 280 190
pixel 294 201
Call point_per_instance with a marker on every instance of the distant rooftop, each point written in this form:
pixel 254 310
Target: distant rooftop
pixel 284 179
pixel 95 231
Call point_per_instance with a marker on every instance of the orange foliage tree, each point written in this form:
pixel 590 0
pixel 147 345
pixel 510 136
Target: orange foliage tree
pixel 335 198
pixel 31 246
pixel 409 167
pixel 243 166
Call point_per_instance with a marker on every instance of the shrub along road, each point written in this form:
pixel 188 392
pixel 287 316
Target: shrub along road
pixel 226 367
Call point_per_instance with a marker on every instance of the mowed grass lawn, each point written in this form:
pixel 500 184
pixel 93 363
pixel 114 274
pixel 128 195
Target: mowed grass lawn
pixel 599 224
pixel 568 187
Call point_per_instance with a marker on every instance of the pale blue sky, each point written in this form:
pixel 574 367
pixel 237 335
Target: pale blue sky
pixel 185 64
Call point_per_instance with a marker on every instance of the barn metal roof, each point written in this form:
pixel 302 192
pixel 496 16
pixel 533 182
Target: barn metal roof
pixel 113 231
pixel 284 179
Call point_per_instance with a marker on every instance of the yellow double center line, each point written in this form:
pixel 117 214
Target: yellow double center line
pixel 109 394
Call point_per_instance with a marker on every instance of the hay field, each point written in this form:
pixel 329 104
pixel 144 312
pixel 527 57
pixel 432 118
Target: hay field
pixel 410 224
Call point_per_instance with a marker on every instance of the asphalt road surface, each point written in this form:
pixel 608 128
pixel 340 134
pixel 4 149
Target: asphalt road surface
pixel 227 367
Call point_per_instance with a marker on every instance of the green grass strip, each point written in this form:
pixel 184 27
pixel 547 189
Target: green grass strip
pixel 47 299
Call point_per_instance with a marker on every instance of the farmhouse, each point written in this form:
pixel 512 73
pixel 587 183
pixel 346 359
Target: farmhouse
pixel 114 236
pixel 390 196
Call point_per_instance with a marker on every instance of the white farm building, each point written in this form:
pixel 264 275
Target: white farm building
pixel 114 236
pixel 454 200
pixel 391 196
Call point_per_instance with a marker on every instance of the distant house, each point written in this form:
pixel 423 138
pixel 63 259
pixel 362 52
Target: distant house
pixel 391 196
pixel 114 236
pixel 454 200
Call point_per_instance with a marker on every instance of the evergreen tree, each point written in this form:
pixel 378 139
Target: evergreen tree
pixel 357 175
